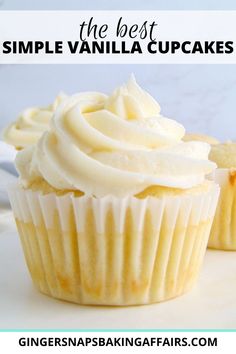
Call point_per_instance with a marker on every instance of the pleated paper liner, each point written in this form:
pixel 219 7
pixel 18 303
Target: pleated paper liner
pixel 223 232
pixel 111 251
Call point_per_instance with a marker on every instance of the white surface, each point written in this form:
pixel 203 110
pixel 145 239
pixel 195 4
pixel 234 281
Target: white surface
pixel 211 304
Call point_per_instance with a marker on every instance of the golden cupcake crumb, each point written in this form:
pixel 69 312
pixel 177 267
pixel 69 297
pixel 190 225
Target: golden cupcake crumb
pixel 42 186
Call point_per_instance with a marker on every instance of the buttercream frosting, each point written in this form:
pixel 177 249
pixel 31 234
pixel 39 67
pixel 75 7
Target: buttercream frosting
pixel 118 144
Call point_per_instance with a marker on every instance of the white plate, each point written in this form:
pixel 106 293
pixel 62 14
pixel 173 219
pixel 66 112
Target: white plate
pixel 211 304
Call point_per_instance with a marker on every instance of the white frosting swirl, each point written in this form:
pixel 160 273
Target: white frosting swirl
pixel 30 125
pixel 116 145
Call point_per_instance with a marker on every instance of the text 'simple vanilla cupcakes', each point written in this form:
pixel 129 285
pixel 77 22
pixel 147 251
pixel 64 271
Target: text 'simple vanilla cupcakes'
pixel 112 207
pixel 223 233
pixel 30 125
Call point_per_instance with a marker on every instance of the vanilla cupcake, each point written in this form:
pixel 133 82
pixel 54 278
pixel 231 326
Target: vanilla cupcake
pixel 223 233
pixel 200 137
pixel 30 125
pixel 111 206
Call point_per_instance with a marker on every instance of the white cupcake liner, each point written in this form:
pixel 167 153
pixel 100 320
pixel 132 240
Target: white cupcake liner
pixel 113 251
pixel 223 232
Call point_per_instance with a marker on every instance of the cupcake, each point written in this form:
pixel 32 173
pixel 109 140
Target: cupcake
pixel 200 137
pixel 30 125
pixel 112 207
pixel 223 233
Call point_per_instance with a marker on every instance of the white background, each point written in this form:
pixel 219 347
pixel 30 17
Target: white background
pixel 202 97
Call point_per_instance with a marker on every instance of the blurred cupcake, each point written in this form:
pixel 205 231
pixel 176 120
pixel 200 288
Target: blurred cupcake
pixel 112 207
pixel 223 233
pixel 200 137
pixel 30 125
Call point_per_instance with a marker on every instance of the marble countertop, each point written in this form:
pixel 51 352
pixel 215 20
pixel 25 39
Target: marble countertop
pixel 202 97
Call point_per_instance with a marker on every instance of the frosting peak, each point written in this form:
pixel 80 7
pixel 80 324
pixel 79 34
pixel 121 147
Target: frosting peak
pixel 116 145
pixel 131 102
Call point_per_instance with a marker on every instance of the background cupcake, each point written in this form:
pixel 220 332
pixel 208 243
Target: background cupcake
pixel 200 137
pixel 30 125
pixel 223 233
pixel 112 207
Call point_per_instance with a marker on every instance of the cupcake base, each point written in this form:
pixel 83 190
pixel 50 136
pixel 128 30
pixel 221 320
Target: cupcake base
pixel 111 251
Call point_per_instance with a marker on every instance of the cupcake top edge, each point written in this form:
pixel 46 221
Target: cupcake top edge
pixel 118 144
pixel 30 124
pixel 200 137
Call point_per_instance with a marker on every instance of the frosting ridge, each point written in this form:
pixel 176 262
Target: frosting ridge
pixel 30 124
